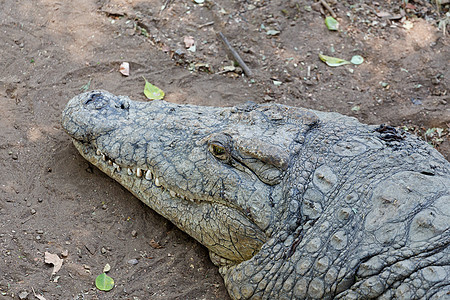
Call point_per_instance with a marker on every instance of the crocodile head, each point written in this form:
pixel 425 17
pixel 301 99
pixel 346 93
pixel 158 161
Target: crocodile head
pixel 204 168
pixel 289 207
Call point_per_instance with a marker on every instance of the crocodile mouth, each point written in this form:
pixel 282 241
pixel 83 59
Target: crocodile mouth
pixel 104 162
pixel 125 174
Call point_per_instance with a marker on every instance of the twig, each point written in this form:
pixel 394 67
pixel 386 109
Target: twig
pixel 236 56
pixel 333 14
pixel 206 24
pixel 165 5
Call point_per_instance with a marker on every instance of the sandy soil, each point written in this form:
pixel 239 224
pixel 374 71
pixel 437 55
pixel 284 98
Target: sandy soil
pixel 51 200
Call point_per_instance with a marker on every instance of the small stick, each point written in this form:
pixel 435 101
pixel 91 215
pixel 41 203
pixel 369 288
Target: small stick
pixel 328 8
pixel 206 24
pixel 165 5
pixel 236 56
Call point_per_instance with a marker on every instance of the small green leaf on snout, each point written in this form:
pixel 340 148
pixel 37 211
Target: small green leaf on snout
pixel 104 283
pixel 152 92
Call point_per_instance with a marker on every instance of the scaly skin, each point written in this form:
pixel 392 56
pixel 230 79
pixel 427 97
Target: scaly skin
pixel 291 203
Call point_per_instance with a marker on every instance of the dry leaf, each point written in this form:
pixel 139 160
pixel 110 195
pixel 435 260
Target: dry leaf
pixel 165 48
pixel 53 259
pixel 107 268
pixel 155 244
pixel 383 14
pixel 189 41
pixel 408 25
pixel 36 295
pixel 125 69
pixel 387 15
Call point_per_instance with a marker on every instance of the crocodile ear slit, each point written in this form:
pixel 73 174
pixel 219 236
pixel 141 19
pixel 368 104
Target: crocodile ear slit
pixel 272 155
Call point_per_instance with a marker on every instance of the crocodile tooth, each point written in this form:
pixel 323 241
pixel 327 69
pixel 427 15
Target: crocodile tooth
pixel 98 152
pixel 173 194
pixel 104 157
pixel 116 166
pixel 157 181
pixel 139 172
pixel 148 175
pixel 110 162
pixel 130 172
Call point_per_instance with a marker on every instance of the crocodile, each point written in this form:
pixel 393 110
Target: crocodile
pixel 291 203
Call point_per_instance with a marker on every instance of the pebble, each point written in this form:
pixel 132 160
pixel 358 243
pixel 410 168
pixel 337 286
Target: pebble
pixel 267 98
pixel 33 211
pixel 103 250
pixel 40 231
pixel 134 233
pixel 133 261
pixel 23 295
pixel 38 237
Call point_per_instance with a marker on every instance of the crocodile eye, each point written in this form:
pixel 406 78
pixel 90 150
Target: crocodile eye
pixel 218 151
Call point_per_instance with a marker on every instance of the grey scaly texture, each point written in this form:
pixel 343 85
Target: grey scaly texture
pixel 291 203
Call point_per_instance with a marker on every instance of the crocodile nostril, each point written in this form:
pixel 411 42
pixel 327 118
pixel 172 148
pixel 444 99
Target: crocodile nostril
pixel 123 105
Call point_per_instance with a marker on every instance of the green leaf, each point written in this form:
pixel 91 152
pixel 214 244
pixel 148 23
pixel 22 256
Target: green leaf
pixel 104 283
pixel 152 92
pixel 85 87
pixel 430 132
pixel 331 23
pixel 384 84
pixel 356 108
pixel 333 61
pixel 357 60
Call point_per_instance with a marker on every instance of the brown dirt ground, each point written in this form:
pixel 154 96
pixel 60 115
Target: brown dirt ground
pixel 52 200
